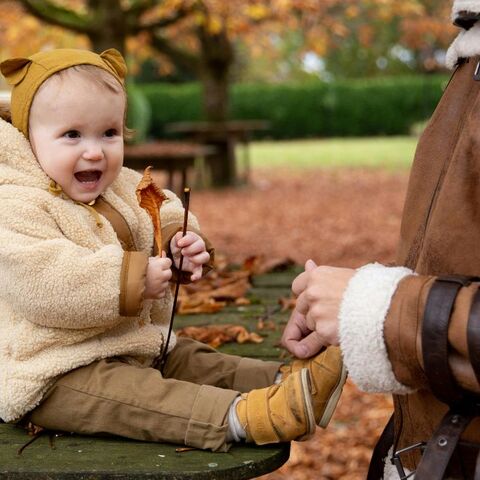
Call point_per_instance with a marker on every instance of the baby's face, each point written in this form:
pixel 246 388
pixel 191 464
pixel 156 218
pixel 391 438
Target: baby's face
pixel 76 133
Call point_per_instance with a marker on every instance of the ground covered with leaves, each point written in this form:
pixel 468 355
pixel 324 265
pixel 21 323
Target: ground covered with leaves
pixel 343 218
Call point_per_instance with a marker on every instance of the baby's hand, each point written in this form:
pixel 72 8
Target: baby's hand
pixel 158 275
pixel 194 252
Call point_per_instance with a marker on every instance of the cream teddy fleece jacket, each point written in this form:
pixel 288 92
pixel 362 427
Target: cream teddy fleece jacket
pixel 60 279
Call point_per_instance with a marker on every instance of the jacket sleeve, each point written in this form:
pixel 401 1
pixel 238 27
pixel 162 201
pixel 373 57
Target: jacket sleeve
pixel 381 330
pixel 132 283
pixel 51 280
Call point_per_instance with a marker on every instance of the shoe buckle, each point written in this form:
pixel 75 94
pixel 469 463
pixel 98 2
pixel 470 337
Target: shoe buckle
pixel 397 461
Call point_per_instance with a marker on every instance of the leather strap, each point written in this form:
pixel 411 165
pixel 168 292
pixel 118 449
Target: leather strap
pixel 436 318
pixel 380 452
pixel 477 467
pixel 473 335
pixel 441 446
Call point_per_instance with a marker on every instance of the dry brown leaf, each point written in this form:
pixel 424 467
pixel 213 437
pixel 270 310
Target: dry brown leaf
pixel 150 197
pixel 216 335
pixel 264 324
pixel 241 301
pixel 189 306
pixel 257 265
pixel 287 303
pixel 214 292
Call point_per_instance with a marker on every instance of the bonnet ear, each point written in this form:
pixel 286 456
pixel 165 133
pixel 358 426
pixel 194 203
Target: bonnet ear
pixel 115 61
pixel 15 69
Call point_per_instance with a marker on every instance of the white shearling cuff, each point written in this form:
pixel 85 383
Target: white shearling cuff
pixel 362 315
pixel 472 6
pixel 466 45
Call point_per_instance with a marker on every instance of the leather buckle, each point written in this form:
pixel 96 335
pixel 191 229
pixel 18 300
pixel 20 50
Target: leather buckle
pixel 397 461
pixel 476 75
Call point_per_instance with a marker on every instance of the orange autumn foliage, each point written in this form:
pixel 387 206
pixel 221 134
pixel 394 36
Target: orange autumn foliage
pixel 216 335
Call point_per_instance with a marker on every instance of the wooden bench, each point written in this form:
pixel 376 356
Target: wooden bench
pixel 170 156
pixel 224 136
pixel 77 457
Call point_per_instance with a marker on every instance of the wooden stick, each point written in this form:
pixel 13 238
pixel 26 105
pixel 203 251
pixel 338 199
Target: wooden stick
pixel 186 193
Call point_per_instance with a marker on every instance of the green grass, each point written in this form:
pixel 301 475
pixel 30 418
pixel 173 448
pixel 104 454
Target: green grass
pixel 391 153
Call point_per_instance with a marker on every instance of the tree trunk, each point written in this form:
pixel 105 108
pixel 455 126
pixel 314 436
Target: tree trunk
pixel 221 164
pixel 110 29
pixel 215 93
pixel 217 57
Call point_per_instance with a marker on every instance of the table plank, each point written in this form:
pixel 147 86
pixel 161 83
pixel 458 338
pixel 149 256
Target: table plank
pixel 96 458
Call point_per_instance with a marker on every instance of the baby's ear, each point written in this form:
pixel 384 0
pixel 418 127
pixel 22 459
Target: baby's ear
pixel 15 69
pixel 115 60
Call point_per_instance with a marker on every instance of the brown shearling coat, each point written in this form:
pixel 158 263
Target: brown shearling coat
pixel 440 235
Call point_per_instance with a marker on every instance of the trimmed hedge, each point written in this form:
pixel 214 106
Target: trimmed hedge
pixel 382 106
pixel 139 114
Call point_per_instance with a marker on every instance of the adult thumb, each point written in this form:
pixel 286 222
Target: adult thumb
pixel 310 265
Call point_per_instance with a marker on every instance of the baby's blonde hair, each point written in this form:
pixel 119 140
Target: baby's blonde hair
pixel 95 74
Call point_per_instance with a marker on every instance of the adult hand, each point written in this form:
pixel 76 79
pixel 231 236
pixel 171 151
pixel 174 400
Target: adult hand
pixel 314 322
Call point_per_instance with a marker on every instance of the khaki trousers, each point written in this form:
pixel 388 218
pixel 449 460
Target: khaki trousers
pixel 187 405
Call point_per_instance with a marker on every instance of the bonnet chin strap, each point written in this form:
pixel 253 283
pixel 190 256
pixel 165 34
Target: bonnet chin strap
pixel 55 189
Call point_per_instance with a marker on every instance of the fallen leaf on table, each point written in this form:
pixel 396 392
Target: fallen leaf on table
pixel 242 301
pixel 263 324
pixel 213 292
pixel 258 265
pixel 287 303
pixel 150 198
pixel 216 335
pixel 189 305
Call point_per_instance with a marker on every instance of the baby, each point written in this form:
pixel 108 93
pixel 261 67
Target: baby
pixel 85 301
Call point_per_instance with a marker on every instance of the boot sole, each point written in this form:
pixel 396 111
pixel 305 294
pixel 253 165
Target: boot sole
pixel 332 403
pixel 307 398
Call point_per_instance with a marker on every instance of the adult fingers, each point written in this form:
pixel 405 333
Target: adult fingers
pixel 309 346
pixel 302 305
pixel 300 283
pixel 294 331
pixel 310 265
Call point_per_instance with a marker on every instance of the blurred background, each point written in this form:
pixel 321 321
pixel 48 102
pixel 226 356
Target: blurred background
pixel 295 122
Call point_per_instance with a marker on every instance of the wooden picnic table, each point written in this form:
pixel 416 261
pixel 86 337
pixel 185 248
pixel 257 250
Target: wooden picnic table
pixel 224 136
pixel 78 457
pixel 174 157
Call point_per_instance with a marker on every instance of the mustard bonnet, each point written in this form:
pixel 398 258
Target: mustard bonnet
pixel 27 74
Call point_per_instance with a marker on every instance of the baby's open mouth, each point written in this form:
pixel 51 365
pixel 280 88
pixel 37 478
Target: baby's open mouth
pixel 88 176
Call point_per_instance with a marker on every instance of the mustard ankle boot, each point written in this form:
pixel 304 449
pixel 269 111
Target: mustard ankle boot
pixel 279 413
pixel 328 374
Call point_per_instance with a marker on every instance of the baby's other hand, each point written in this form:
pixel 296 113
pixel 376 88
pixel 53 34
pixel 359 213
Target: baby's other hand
pixel 194 252
pixel 158 275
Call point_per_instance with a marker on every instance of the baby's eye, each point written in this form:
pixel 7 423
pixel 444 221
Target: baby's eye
pixel 111 132
pixel 72 134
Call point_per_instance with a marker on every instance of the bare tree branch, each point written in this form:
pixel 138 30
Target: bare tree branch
pixel 161 23
pixel 137 7
pixel 57 15
pixel 180 57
